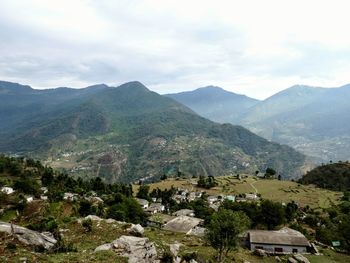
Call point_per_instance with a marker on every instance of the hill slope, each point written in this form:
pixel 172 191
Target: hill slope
pixel 127 133
pixel 313 120
pixel 215 103
pixel 334 176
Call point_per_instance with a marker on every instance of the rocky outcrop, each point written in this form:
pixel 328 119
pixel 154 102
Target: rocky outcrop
pixel 136 249
pixel 300 258
pixel 136 230
pixel 27 236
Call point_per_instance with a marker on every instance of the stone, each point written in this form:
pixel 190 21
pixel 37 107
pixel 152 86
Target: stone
pixel 278 259
pixel 111 221
pixel 260 252
pixel 27 236
pixel 93 218
pixel 300 258
pixel 104 247
pixel 174 249
pixel 136 230
pixel 137 249
pixel 292 260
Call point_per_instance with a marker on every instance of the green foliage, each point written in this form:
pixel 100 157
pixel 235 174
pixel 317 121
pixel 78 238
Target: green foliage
pixel 45 224
pixel 270 173
pixel 87 224
pixel 335 176
pixel 206 182
pixel 132 120
pixel 224 229
pixel 273 214
pixel 127 210
pixel 143 192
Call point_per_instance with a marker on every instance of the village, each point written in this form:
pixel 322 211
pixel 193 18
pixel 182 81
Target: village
pixel 183 207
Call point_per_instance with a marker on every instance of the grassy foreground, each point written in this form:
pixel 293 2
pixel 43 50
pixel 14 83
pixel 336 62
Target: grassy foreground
pixel 102 233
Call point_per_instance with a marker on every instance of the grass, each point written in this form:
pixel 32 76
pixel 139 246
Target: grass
pixel 281 191
pixel 102 232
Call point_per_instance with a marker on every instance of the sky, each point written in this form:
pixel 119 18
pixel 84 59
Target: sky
pixel 249 47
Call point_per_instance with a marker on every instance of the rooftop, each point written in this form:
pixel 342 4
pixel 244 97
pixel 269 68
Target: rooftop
pixel 284 236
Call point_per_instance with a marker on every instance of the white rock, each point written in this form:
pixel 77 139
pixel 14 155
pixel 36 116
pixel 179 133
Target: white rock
pixel 27 236
pixel 136 230
pixel 103 247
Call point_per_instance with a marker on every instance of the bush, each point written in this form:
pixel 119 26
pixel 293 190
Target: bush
pixel 87 224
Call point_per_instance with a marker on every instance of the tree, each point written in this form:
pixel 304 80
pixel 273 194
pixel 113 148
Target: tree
pixel 269 173
pixel 223 230
pixel 273 213
pixel 143 192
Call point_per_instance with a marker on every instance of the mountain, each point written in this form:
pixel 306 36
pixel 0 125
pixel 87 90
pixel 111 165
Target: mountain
pixel 128 133
pixel 333 176
pixel 215 103
pixel 20 103
pixel 313 120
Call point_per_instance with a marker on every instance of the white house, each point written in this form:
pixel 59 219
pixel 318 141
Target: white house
pixel 29 199
pixel 143 203
pixel 283 241
pixel 184 212
pixel 155 208
pixel 70 196
pixel 7 190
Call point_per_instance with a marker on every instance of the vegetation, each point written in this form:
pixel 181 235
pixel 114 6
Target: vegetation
pixel 128 133
pixel 333 176
pixel 224 229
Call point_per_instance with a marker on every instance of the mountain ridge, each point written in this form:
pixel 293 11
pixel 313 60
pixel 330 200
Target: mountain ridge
pixel 128 133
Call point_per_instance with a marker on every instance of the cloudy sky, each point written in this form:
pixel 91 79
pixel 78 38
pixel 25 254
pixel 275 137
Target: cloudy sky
pixel 251 47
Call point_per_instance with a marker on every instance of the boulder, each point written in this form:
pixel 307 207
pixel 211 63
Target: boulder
pixel 300 258
pixel 111 221
pixel 278 259
pixel 136 230
pixel 260 252
pixel 27 236
pixel 137 249
pixel 93 218
pixel 292 260
pixel 174 249
pixel 103 247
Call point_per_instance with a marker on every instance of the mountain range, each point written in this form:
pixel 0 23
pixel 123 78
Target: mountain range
pixel 128 133
pixel 312 120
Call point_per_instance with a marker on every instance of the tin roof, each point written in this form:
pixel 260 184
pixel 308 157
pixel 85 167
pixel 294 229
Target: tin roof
pixel 284 236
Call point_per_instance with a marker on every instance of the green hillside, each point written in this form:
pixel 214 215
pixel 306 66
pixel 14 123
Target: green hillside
pixel 334 176
pixel 313 120
pixel 129 132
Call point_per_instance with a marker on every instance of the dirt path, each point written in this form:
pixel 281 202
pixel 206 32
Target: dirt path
pixel 255 189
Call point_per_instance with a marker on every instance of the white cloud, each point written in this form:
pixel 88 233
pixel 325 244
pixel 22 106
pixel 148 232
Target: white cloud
pixel 250 47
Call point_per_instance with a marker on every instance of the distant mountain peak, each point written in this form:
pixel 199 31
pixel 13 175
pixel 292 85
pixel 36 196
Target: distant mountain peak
pixel 12 86
pixel 133 85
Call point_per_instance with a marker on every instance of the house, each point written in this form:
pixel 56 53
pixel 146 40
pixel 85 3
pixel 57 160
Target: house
pixel 183 224
pixel 70 196
pixel 251 196
pixel 44 190
pixel 155 208
pixel 179 198
pixel 7 190
pixel 283 241
pixel 143 202
pixel 184 212
pixel 212 199
pixel 29 199
pixel 231 198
